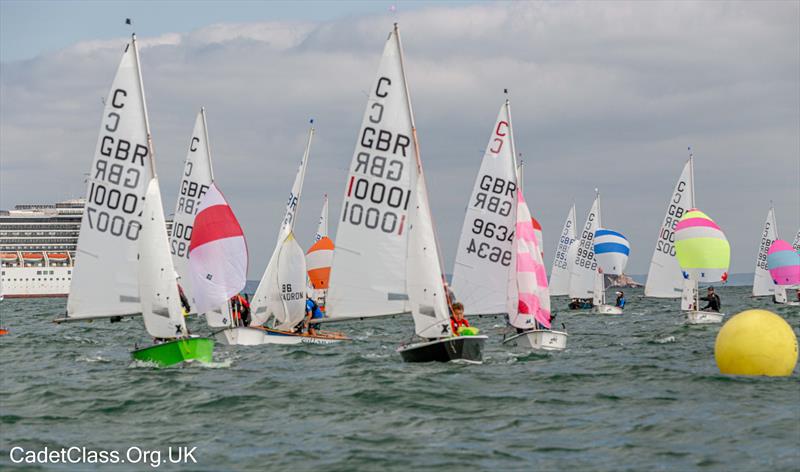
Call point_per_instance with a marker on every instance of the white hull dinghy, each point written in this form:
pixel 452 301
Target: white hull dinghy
pixel 538 340
pixel 703 317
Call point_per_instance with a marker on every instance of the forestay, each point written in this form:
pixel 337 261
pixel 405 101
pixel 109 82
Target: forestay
pixel 762 281
pixel 270 295
pixel 484 258
pixel 218 262
pixel 583 269
pixel 559 273
pixel 532 301
pixel 195 182
pixel 158 284
pixel 368 275
pixel 664 276
pixel 104 280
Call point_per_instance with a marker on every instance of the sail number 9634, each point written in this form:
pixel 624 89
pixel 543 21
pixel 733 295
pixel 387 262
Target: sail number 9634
pixel 488 251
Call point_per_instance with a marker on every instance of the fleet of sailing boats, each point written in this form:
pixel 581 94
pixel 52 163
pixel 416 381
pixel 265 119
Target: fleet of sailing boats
pixel 386 261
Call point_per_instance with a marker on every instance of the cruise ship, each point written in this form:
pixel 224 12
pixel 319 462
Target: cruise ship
pixel 37 248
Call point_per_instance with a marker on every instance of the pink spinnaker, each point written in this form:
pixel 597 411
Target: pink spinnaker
pixel 532 290
pixel 217 253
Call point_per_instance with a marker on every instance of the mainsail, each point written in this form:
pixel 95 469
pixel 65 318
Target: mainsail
pixel 104 280
pixel 762 281
pixel 322 228
pixel 278 292
pixel 484 258
pixel 559 274
pixel 583 268
pixel 158 284
pixel 195 182
pixel 664 276
pixel 368 275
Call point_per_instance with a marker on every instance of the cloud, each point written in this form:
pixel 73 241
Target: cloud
pixel 604 94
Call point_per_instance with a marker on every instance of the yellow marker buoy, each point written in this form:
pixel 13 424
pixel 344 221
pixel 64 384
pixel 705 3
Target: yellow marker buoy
pixel 756 342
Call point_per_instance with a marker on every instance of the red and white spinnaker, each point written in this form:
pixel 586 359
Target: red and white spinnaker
pixel 217 253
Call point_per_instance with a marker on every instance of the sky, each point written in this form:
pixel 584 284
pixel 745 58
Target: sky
pixel 604 95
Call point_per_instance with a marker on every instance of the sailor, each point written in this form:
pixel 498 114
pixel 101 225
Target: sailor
pixel 235 310
pixel 620 300
pixel 312 313
pixel 714 303
pixel 184 301
pixel 574 304
pixel 244 314
pixel 457 319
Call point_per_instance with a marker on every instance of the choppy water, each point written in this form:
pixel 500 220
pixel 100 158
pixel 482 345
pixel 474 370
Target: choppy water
pixel 637 392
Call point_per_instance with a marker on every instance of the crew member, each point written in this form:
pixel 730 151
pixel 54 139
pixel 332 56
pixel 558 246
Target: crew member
pixel 714 303
pixel 457 319
pixel 620 300
pixel 312 313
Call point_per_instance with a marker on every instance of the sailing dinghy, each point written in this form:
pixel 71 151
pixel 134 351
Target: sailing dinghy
pixel 280 298
pixel 123 230
pixel 784 267
pixel 703 254
pixel 611 249
pixel 559 273
pixel 319 258
pixel 763 284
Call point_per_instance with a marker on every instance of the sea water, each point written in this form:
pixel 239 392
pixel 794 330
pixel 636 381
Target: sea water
pixel 639 391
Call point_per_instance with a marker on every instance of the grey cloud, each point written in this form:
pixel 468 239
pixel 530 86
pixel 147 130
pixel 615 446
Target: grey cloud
pixel 604 94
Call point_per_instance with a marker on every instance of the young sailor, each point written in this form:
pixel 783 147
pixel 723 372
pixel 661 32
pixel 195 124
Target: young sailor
pixel 312 312
pixel 714 303
pixel 457 319
pixel 620 300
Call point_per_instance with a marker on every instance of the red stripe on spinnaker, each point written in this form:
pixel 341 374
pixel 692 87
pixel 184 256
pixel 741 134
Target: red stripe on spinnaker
pixel 214 223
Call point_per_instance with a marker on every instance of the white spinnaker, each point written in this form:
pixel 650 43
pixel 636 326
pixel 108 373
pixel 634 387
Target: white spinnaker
pixel 424 279
pixel 158 286
pixel 322 228
pixel 368 274
pixel 559 273
pixel 484 256
pixel 664 279
pixel 289 296
pixel 583 270
pixel 104 279
pixel 762 281
pixel 195 182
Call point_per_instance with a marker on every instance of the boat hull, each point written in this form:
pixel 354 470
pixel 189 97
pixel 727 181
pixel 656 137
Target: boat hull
pixel 537 340
pixel 177 351
pixel 256 336
pixel 608 310
pixel 703 317
pixel 459 348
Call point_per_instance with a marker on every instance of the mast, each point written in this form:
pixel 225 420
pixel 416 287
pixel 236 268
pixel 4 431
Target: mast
pixel 419 159
pixel 144 108
pixel 691 174
pixel 208 143
pixel 306 154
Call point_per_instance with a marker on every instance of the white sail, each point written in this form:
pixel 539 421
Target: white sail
pixel 688 294
pixel 288 296
pixel 599 288
pixel 796 242
pixel 322 227
pixel 484 258
pixel 664 279
pixel 195 182
pixel 368 275
pixel 424 279
pixel 762 281
pixel 265 302
pixel 583 270
pixel 559 274
pixel 104 280
pixel 158 284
